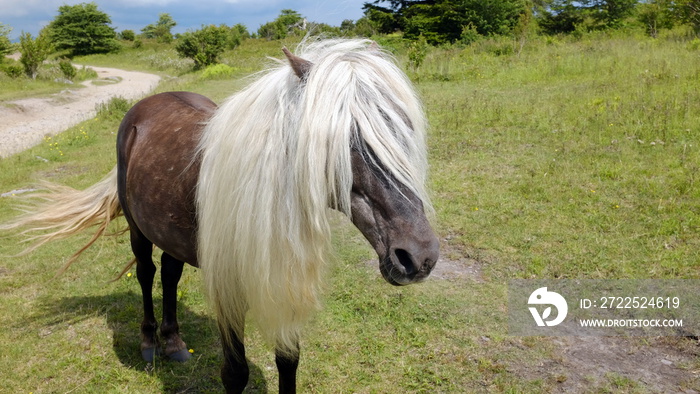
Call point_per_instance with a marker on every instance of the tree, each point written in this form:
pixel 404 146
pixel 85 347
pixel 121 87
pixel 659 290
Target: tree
pixel 287 22
pixel 161 29
pixel 203 46
pixel 564 16
pixel 560 16
pixel 347 26
pixel 83 29
pixel 437 23
pixel 610 13
pixel 238 33
pixel 5 44
pixel 655 15
pixel 440 21
pixel 382 19
pixel 33 52
pixel 688 11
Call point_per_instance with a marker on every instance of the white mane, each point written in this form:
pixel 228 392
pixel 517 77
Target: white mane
pixel 275 156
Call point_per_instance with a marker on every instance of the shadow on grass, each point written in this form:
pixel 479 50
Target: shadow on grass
pixel 123 313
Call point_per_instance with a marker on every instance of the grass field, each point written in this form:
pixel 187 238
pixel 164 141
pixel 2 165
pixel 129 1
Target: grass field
pixel 569 159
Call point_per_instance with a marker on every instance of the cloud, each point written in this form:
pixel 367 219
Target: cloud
pixel 13 8
pixel 142 3
pixel 32 15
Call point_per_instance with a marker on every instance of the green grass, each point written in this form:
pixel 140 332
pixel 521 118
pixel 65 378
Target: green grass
pixel 572 159
pixel 581 158
pixel 19 88
pixel 151 57
pixel 50 80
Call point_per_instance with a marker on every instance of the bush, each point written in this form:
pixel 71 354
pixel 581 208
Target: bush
pixel 694 45
pixel 13 70
pixel 127 35
pixel 417 51
pixel 218 71
pixel 67 68
pixel 469 34
pixel 114 109
pixel 203 46
pixel 34 52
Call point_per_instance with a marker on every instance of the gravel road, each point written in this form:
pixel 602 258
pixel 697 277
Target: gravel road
pixel 26 122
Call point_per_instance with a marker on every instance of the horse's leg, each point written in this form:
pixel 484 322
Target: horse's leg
pixel 145 272
pixel 234 372
pixel 170 273
pixel 287 364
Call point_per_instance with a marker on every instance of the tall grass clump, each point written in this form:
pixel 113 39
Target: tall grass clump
pixel 114 109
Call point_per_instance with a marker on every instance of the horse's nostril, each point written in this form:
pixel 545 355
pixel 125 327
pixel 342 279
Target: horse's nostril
pixel 404 258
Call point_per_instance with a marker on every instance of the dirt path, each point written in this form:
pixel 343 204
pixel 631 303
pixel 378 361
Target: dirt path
pixel 26 122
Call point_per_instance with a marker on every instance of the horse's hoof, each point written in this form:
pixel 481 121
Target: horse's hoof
pixel 181 356
pixel 149 354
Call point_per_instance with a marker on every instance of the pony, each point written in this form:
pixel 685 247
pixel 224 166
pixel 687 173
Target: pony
pixel 243 191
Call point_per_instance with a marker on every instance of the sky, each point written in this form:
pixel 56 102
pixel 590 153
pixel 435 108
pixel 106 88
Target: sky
pixel 31 15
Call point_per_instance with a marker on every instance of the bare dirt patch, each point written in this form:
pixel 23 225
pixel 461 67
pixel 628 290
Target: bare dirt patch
pixel 26 122
pixel 453 264
pixel 619 364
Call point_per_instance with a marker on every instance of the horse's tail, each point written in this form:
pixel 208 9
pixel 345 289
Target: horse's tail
pixel 60 211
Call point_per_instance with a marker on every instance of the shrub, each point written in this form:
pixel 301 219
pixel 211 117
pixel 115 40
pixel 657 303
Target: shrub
pixel 127 35
pixel 417 51
pixel 33 52
pixel 218 71
pixel 67 68
pixel 203 46
pixel 114 109
pixel 469 34
pixel 13 70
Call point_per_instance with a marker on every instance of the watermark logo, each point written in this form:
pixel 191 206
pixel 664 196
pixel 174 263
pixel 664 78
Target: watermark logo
pixel 543 297
pixel 604 307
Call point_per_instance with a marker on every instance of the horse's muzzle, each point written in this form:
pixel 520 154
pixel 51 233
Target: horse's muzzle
pixel 404 266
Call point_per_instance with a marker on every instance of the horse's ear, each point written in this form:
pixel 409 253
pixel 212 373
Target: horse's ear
pixel 300 66
pixel 373 46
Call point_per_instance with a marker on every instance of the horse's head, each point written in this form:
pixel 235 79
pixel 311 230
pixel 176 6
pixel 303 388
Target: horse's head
pixel 392 219
pixel 388 212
